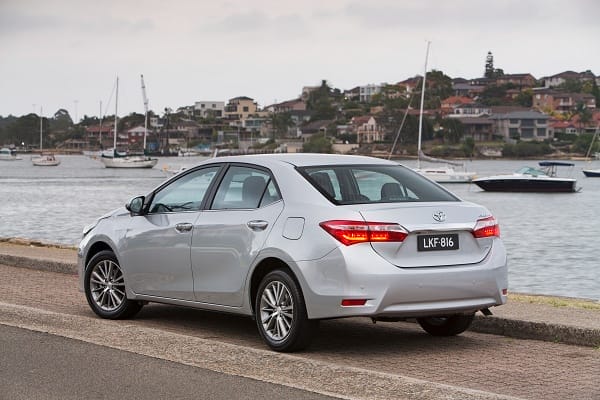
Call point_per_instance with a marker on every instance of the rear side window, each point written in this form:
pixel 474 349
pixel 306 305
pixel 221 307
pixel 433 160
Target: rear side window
pixel 245 188
pixel 363 184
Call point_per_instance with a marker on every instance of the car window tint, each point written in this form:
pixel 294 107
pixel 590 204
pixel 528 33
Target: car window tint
pixel 349 184
pixel 242 188
pixel 185 193
pixel 326 180
pixel 271 195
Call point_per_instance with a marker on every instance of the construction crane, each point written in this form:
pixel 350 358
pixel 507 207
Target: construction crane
pixel 145 111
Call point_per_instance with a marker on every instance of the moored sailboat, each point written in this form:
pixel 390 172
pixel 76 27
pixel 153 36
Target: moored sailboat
pixel 44 159
pixel 446 173
pixel 592 172
pixel 129 161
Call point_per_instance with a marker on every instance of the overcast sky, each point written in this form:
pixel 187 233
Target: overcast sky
pixel 68 53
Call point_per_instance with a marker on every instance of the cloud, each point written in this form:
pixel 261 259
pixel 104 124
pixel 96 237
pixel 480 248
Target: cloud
pixel 259 23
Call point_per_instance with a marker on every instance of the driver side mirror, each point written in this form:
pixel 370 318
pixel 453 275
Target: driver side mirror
pixel 136 205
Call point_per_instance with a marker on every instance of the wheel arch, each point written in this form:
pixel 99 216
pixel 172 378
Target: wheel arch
pixel 96 248
pixel 262 269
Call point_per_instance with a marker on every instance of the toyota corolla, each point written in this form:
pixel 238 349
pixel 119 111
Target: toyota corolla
pixel 291 239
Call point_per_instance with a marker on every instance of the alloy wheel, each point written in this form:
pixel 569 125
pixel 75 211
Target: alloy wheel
pixel 107 285
pixel 276 310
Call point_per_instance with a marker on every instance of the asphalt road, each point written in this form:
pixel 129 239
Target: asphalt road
pixel 36 365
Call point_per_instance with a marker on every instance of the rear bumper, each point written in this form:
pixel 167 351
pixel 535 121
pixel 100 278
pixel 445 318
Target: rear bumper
pixel 359 273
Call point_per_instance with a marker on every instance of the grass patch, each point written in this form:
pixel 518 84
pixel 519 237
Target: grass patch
pixel 558 302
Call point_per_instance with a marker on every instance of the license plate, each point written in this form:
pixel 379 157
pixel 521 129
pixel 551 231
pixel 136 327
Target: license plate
pixel 437 242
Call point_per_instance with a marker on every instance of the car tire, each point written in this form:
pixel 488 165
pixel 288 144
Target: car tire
pixel 281 314
pixel 446 326
pixel 104 286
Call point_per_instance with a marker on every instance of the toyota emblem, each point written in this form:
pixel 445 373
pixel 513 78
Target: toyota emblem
pixel 439 216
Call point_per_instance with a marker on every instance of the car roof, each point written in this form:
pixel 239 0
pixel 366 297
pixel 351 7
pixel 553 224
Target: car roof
pixel 304 159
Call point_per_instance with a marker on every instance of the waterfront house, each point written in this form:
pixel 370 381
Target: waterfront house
pixel 367 129
pixel 481 129
pixel 524 125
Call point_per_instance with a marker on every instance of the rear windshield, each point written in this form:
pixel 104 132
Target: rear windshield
pixel 363 184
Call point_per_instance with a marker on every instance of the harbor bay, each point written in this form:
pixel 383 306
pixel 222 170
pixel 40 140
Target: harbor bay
pixel 551 238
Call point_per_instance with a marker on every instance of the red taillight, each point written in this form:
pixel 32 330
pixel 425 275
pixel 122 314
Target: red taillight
pixel 352 232
pixel 486 227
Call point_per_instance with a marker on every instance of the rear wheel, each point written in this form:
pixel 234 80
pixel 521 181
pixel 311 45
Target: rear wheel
pixel 281 314
pixel 105 288
pixel 446 326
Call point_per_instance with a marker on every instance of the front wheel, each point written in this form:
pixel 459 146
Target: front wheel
pixel 281 314
pixel 105 288
pixel 446 326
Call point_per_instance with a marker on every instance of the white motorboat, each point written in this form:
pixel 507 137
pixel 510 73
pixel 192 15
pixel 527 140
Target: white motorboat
pixel 7 155
pixel 528 179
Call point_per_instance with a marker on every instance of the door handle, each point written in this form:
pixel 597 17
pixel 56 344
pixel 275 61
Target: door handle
pixel 184 227
pixel 257 225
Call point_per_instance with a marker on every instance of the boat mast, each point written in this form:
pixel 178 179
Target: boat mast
pixel 421 111
pixel 41 120
pixel 116 108
pixel 145 111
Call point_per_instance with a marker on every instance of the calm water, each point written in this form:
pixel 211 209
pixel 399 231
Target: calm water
pixel 553 240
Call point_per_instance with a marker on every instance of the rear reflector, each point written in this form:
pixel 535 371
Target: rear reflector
pixel 486 227
pixel 353 302
pixel 352 232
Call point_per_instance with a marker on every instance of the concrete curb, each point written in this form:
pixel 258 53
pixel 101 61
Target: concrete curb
pixel 520 329
pixel 38 264
pixel 515 328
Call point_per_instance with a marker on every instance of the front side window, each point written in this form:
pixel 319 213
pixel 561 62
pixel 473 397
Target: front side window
pixel 245 188
pixel 353 184
pixel 185 193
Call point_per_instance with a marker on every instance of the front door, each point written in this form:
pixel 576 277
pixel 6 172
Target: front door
pixel 157 254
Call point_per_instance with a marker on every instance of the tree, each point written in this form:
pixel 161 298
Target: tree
pixel 468 147
pixel 571 86
pixel 61 121
pixel 26 129
pixel 439 86
pixel 281 122
pixel 489 65
pixel 320 103
pixel 318 143
pixel 585 115
pixel 595 91
pixel 453 130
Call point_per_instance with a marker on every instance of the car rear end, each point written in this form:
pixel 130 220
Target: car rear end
pixel 421 253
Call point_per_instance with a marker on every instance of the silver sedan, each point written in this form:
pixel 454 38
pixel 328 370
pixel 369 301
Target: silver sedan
pixel 291 239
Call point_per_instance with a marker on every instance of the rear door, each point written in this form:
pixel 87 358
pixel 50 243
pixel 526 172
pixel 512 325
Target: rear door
pixel 228 236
